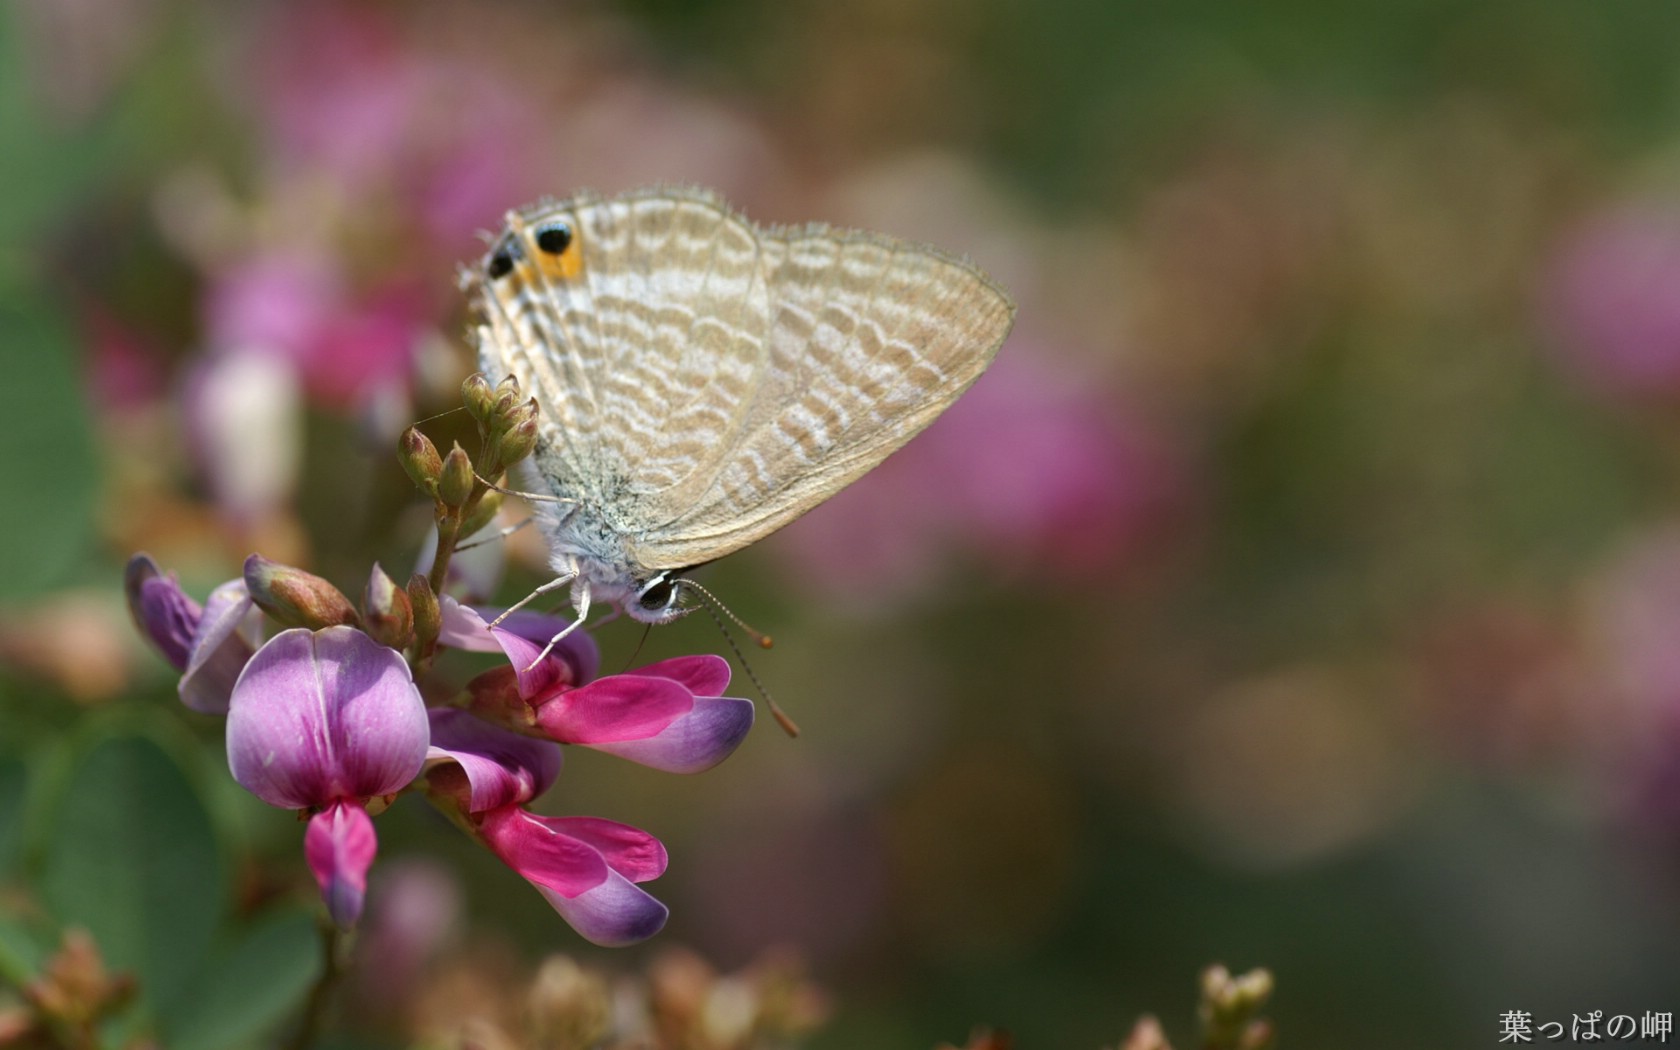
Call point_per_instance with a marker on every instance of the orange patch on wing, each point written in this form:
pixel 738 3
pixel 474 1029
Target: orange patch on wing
pixel 566 265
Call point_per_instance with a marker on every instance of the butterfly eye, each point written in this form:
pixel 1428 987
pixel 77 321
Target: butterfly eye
pixel 658 594
pixel 501 261
pixel 555 238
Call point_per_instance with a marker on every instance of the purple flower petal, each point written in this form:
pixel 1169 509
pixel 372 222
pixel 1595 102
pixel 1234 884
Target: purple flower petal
pixel 542 852
pixel 502 767
pixel 228 633
pixel 613 914
pixel 162 612
pixel 695 742
pixel 618 707
pixel 340 846
pixel 327 715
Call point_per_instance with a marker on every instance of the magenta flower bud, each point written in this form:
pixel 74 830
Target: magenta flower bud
pixel 387 610
pixel 455 484
pixel 162 612
pixel 294 598
pixel 324 721
pixel 419 457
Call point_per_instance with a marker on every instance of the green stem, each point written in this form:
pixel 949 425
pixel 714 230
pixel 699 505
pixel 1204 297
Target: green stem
pixel 315 1009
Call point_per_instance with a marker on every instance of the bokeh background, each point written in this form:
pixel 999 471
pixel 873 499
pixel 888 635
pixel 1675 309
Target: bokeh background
pixel 1300 589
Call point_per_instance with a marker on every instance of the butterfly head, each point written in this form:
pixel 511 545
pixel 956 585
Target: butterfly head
pixel 658 599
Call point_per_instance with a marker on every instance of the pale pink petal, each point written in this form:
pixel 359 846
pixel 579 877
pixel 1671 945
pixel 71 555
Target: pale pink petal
pixel 228 633
pixel 321 716
pixel 502 767
pixel 694 742
pixel 340 845
pixel 521 637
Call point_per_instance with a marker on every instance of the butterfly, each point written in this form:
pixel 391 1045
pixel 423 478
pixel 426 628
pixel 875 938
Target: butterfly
pixel 703 381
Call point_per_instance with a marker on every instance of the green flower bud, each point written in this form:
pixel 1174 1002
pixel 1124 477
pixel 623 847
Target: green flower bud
pixel 455 481
pixel 517 443
pixel 420 458
pixel 387 610
pixel 294 598
pixel 428 615
pixel 478 397
pixel 489 505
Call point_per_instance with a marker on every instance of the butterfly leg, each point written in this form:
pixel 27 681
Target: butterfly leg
pixel 547 588
pixel 580 600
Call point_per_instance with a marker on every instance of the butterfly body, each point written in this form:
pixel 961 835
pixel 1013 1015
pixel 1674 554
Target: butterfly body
pixel 703 381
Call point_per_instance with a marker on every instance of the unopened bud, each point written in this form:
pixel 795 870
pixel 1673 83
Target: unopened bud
pixel 1146 1035
pixel 420 458
pixel 517 443
pixel 507 395
pixel 477 396
pixel 387 610
pixel 489 505
pixel 428 615
pixel 568 1005
pixel 455 483
pixel 294 598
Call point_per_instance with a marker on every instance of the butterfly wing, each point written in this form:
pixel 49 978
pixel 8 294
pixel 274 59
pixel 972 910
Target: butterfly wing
pixel 704 381
pixel 639 343
pixel 869 340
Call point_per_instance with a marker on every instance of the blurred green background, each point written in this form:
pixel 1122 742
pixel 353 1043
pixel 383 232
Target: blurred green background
pixel 1302 589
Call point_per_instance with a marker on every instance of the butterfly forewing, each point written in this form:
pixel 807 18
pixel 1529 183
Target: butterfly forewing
pixel 704 381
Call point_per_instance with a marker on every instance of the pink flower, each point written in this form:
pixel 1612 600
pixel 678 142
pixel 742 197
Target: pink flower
pixel 585 867
pixel 1611 298
pixel 1034 471
pixel 669 715
pixel 324 721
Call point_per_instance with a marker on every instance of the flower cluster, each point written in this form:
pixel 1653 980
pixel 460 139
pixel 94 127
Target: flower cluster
pixel 325 716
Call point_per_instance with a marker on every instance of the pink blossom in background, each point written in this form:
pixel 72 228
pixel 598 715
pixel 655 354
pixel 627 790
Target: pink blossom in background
pixel 1611 299
pixel 1035 470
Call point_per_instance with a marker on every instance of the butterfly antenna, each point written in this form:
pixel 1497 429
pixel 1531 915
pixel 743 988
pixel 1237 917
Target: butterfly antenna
pixel 501 534
pixel 762 640
pixel 440 415
pixel 712 606
pixel 536 497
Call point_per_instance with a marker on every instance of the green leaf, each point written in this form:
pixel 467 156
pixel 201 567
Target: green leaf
pixel 250 987
pixel 14 784
pixel 20 951
pixel 47 446
pixel 133 859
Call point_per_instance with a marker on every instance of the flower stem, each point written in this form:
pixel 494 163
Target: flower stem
pixel 315 1009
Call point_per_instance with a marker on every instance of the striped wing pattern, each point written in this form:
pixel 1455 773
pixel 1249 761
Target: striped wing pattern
pixel 705 381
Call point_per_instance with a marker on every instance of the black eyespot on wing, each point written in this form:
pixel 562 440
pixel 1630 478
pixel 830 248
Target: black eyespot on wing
pixel 502 259
pixel 554 238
